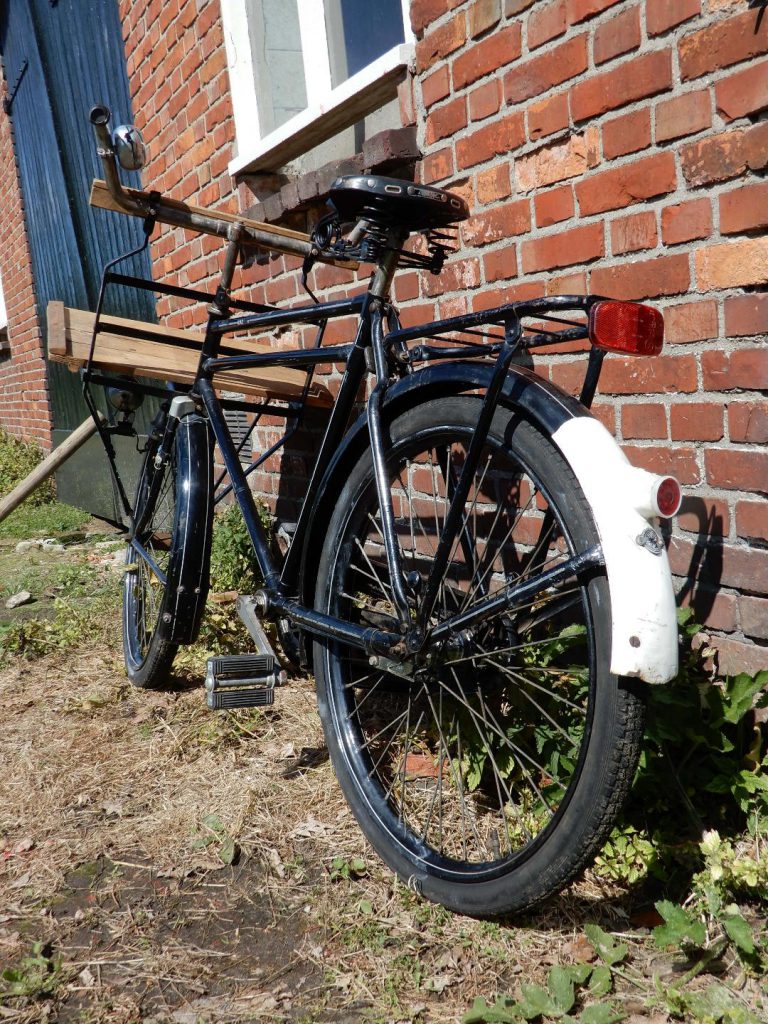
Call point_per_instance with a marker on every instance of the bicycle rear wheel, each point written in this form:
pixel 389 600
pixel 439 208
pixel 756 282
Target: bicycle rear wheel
pixel 166 576
pixel 489 770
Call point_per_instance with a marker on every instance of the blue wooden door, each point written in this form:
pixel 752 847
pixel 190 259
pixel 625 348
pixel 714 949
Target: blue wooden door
pixel 72 57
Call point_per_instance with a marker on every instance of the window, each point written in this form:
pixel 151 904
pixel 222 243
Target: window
pixel 303 70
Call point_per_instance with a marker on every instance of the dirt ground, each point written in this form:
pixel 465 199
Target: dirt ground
pixel 162 863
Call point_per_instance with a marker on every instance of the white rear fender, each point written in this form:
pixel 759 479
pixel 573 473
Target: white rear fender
pixel 644 620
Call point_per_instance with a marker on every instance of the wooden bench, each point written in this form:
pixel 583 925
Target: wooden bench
pixel 142 349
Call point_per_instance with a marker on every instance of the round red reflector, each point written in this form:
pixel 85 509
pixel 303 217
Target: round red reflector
pixel 668 497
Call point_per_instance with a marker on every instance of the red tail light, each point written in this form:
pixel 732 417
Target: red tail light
pixel 626 327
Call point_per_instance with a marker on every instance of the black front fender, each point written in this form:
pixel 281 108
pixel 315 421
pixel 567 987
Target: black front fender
pixel 538 400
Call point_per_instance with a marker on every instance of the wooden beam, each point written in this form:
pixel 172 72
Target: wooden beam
pixel 269 237
pixel 69 341
pixel 48 466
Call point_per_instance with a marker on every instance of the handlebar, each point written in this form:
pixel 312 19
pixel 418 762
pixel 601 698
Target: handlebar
pixel 111 194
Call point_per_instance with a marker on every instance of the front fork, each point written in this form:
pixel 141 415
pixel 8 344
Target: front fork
pixel 413 621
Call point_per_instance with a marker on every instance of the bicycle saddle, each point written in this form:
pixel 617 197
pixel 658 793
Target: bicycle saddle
pixel 394 202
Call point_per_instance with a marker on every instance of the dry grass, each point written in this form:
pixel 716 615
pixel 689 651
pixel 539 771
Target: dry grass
pixel 118 809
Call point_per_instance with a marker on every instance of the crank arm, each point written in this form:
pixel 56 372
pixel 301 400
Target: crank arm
pixel 517 593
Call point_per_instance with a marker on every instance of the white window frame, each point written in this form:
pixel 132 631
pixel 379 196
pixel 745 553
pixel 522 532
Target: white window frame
pixel 330 110
pixel 4 347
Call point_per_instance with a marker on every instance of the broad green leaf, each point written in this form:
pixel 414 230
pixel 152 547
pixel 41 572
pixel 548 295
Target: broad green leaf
pixel 601 982
pixel 537 1002
pixel 739 932
pixel 213 822
pixel 227 850
pixel 503 1011
pixel 680 927
pixel 599 1013
pixel 718 1003
pixel 741 692
pixel 560 985
pixel 579 972
pixel 609 951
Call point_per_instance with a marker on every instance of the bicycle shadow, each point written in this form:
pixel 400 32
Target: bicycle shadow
pixel 702 580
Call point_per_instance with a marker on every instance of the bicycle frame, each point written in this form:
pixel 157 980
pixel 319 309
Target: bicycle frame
pixel 374 344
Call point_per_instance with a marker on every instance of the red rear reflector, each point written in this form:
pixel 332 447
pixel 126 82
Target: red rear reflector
pixel 626 327
pixel 668 497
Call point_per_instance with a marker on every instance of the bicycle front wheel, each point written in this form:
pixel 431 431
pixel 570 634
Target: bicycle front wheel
pixel 488 770
pixel 166 574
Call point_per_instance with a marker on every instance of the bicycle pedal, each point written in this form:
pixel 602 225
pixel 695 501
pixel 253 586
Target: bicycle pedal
pixel 241 681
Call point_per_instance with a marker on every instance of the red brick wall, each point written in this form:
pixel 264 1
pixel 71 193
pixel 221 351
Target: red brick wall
pixel 24 407
pixel 615 146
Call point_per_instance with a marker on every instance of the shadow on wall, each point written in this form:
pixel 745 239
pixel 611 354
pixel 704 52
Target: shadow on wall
pixel 705 570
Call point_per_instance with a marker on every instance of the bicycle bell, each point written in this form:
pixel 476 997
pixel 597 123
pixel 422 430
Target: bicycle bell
pixel 129 147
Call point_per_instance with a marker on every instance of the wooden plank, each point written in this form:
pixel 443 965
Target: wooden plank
pixel 48 466
pixel 69 341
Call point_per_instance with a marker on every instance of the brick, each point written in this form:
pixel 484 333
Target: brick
pixel 440 42
pixel 483 15
pixel 501 264
pixel 662 15
pixel 443 122
pixel 485 100
pixel 714 159
pixel 436 86
pixel 679 462
pixel 720 45
pixel 729 565
pixel 683 115
pixel 744 209
pixel 564 249
pixel 741 369
pixel 548 116
pixel 630 183
pixel 734 656
pixel 712 608
pixel 627 134
pixel 696 421
pixel 628 375
pixel 493 183
pixel 498 223
pixel 633 233
pixel 458 275
pixel 743 93
pixel 424 12
pixel 555 162
pixel 746 315
pixel 732 264
pixel 515 7
pixel 737 470
pixel 690 321
pixel 646 279
pixel 502 136
pixel 581 10
pixel 540 74
pixel 752 519
pixel 753 612
pixel 647 421
pixel 703 515
pixel 437 166
pixel 545 23
pixel 618 36
pixel 634 80
pixel 488 56
pixel 748 422
pixel 685 222
pixel 554 206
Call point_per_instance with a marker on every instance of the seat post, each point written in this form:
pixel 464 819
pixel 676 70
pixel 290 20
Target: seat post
pixel 387 265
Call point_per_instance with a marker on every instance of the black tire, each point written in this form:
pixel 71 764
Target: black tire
pixel 173 515
pixel 489 778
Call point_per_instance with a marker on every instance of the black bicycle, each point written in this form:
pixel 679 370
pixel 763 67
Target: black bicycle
pixel 472 577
